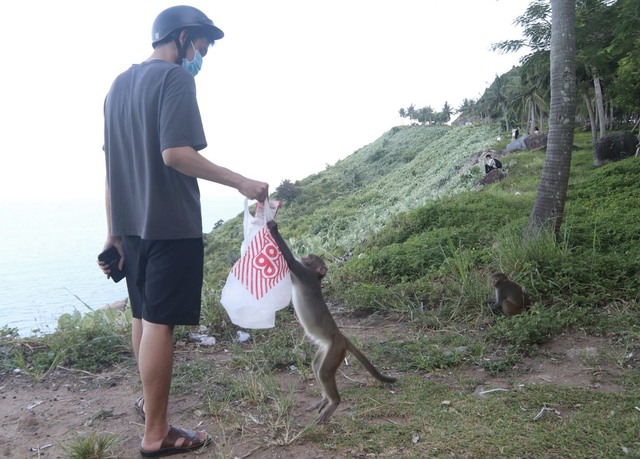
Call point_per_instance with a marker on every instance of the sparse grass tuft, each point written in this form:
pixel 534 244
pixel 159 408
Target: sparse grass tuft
pixel 91 445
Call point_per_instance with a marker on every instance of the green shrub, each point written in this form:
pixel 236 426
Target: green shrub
pixel 538 325
pixel 91 343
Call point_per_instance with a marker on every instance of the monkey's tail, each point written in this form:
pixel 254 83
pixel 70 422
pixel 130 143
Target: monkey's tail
pixel 368 365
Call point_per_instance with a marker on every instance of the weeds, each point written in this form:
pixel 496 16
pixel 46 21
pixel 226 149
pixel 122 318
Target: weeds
pixel 91 446
pixel 515 253
pixel 90 343
pixel 525 332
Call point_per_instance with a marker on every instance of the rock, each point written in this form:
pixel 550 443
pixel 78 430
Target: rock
pixel 536 141
pixel 615 147
pixel 492 177
pixel 517 144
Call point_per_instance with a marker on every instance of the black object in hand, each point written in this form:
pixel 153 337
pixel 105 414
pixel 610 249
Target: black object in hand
pixel 111 257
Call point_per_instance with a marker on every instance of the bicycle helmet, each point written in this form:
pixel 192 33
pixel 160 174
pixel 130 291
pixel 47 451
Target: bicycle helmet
pixel 182 17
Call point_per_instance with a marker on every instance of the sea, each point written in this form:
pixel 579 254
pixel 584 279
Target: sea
pixel 48 253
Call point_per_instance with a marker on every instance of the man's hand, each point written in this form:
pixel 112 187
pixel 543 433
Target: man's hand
pixel 254 189
pixel 117 243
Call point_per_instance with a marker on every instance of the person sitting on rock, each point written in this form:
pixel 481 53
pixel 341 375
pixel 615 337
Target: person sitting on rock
pixel 491 164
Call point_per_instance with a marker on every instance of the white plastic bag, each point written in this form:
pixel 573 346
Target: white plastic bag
pixel 259 283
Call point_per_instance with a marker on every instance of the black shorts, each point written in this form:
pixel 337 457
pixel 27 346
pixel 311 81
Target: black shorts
pixel 164 279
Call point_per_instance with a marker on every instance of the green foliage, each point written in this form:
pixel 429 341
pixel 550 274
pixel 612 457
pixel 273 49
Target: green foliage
pixel 488 226
pixel 538 325
pixel 600 211
pixel 365 299
pixel 91 343
pixel 214 317
pixel 8 333
pixel 281 347
pixel 352 200
pixel 287 191
pixel 434 351
pixel 8 337
pixel 501 363
pixel 517 252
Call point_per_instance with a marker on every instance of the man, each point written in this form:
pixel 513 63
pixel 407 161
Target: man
pixel 153 133
pixel 491 164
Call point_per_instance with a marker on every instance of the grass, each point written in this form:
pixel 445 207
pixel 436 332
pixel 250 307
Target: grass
pixel 411 241
pixel 91 445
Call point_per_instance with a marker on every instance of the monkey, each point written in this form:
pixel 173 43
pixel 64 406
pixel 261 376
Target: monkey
pixel 510 298
pixel 318 323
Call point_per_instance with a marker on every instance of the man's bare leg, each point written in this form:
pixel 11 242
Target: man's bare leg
pixel 155 363
pixel 136 336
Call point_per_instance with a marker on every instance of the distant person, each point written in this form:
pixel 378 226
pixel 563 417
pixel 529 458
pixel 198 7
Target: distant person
pixel 491 164
pixel 516 133
pixel 536 131
pixel 153 133
pixel 513 133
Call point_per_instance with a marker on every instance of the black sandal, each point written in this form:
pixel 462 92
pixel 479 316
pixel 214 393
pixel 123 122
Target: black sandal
pixel 139 407
pixel 168 447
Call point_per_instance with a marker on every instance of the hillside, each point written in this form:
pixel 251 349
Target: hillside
pixel 421 230
pixel 402 169
pixel 346 203
pixel 410 240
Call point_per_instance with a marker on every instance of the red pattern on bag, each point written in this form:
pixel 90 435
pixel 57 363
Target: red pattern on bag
pixel 262 265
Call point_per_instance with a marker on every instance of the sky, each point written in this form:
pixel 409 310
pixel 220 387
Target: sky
pixel 294 86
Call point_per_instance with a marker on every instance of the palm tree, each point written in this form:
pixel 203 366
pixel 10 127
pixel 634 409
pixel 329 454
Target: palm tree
pixel 625 48
pixel 595 20
pixel 447 111
pixel 548 208
pixel 535 88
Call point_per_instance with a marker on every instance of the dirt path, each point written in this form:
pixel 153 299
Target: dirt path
pixel 36 418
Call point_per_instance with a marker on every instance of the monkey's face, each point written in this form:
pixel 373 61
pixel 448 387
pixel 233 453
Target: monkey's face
pixel 497 279
pixel 316 264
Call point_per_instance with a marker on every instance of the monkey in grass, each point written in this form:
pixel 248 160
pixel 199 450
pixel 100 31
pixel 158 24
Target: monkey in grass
pixel 318 323
pixel 510 298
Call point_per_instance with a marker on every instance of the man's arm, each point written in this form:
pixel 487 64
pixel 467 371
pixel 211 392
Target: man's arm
pixel 188 161
pixel 111 240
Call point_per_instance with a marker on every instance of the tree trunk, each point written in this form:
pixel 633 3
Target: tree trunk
pixel 532 114
pixel 592 120
pixel 506 117
pixel 548 208
pixel 611 114
pixel 599 104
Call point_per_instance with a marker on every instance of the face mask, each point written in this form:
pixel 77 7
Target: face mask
pixel 194 66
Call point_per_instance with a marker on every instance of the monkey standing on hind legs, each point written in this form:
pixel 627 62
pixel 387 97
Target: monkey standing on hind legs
pixel 510 298
pixel 316 319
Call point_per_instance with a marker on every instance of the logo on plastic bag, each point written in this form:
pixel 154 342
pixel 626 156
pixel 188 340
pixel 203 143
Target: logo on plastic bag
pixel 262 266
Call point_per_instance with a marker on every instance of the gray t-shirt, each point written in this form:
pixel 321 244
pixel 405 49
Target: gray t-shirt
pixel 151 107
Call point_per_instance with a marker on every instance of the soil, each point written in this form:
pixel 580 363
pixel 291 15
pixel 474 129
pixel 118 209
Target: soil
pixel 38 418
